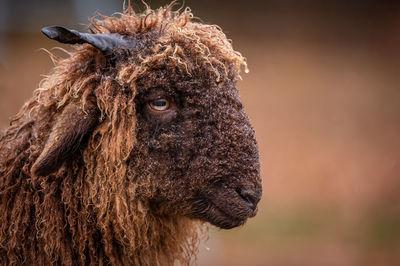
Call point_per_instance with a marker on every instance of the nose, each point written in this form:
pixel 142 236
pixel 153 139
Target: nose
pixel 250 197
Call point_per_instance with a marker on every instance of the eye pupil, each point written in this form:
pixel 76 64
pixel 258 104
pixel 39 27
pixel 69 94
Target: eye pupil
pixel 159 105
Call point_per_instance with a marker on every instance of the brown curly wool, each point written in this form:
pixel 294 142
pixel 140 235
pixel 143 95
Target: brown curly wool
pixel 91 173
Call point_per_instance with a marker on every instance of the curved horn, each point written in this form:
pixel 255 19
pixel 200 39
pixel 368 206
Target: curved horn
pixel 106 43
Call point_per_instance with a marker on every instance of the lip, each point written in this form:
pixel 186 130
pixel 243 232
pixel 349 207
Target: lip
pixel 224 218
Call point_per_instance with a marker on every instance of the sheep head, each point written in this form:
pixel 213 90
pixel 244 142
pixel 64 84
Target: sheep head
pixel 129 142
pixel 170 105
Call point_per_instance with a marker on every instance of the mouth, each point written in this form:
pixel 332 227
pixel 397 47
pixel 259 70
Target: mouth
pixel 224 214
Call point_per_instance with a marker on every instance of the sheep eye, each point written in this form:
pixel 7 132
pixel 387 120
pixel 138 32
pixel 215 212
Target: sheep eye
pixel 159 105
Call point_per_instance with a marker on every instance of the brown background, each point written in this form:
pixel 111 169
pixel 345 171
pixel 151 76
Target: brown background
pixel 323 94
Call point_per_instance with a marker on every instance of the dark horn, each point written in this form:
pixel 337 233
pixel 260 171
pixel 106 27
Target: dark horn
pixel 106 43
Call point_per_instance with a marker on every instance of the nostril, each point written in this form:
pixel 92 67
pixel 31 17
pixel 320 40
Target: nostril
pixel 250 197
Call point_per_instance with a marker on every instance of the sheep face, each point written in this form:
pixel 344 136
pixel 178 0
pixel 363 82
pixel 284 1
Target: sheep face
pixel 197 144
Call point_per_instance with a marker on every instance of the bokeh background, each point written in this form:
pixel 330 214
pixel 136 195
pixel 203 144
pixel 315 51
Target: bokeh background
pixel 323 94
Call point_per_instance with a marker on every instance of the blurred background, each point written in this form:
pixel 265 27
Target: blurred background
pixel 323 94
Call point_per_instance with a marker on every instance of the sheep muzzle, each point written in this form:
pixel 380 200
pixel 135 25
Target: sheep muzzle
pixel 227 208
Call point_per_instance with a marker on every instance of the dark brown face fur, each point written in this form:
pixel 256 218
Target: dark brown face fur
pixel 201 151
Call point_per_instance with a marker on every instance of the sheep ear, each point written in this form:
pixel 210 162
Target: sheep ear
pixel 106 43
pixel 67 134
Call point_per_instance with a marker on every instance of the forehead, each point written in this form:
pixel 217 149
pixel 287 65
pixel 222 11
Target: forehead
pixel 202 82
pixel 183 65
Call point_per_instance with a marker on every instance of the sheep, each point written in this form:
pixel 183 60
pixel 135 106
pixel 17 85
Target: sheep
pixel 132 143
